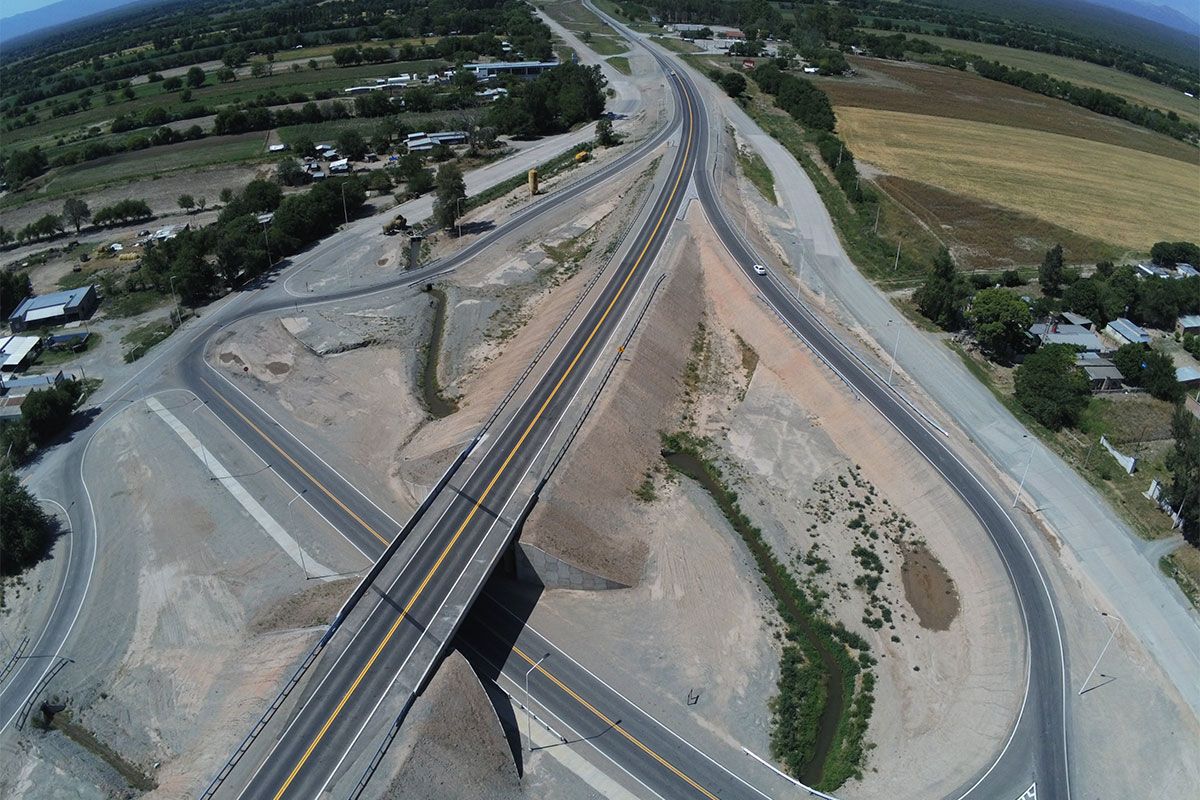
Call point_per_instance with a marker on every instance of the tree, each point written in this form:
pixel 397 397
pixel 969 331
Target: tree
pixel 289 173
pixel 172 84
pixel 1051 387
pixel 351 144
pixel 1151 369
pixel 304 146
pixel 195 77
pixel 451 191
pixel 25 164
pixel 76 212
pixel 733 84
pixel 1183 462
pixel 201 202
pixel 225 195
pixel 186 202
pixel 14 287
pixel 605 136
pixel 1050 274
pixel 27 528
pixel 226 74
pixel 1168 254
pixel 942 297
pixel 47 411
pixel 258 69
pixel 1089 297
pixel 1000 320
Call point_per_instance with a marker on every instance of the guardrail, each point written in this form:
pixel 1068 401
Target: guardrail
pixel 42 683
pixel 16 656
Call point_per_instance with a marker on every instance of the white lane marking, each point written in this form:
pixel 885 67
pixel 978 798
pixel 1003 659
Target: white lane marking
pixel 1029 794
pixel 272 528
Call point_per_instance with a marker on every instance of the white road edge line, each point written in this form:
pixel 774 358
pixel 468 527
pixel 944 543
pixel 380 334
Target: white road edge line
pixel 260 515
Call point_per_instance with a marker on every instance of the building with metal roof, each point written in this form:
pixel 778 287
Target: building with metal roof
pixel 54 309
pixel 1125 331
pixel 1188 376
pixel 1188 323
pixel 495 68
pixel 1102 374
pixel 1066 333
pixel 18 352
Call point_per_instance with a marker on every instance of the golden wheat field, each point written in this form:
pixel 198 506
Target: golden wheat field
pixel 1118 195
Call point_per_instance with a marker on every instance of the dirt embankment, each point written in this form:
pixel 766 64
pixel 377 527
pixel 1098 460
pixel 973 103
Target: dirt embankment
pixel 452 745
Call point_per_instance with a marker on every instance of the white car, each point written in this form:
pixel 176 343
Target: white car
pixel 759 269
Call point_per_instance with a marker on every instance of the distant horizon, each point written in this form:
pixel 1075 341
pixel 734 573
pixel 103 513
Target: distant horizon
pixel 1186 8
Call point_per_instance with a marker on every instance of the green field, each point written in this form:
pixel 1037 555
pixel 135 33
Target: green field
pixel 130 166
pixel 621 63
pixel 284 81
pixel 1083 73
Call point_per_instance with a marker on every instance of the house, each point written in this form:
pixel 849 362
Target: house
pixel 1060 333
pixel 1153 271
pixel 812 70
pixel 1102 374
pixel 13 391
pixel 491 95
pixel 1188 376
pixel 1186 271
pixel 522 68
pixel 1072 318
pixel 1126 332
pixel 18 352
pixel 169 232
pixel 341 166
pixel 318 176
pixel 1188 323
pixel 276 148
pixel 54 309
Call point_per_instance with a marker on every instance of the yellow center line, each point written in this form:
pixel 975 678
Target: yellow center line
pixel 511 454
pixel 614 724
pixel 292 461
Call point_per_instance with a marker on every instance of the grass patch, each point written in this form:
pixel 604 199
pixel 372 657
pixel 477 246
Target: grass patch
pixel 676 45
pixel 1135 424
pixel 758 173
pixel 435 401
pixel 816 734
pixel 1034 172
pixel 54 358
pixel 621 64
pixel 139 340
pixel 132 304
pixel 607 45
pixel 134 776
pixel 1183 567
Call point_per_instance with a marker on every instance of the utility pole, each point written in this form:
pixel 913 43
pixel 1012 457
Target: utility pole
pixel 896 266
pixel 175 297
pixel 895 349
pixel 528 701
pixel 1111 635
pixel 1025 472
pixel 345 213
pixel 878 208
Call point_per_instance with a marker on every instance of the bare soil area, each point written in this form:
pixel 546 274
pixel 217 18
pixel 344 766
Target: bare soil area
pixel 452 745
pixel 169 666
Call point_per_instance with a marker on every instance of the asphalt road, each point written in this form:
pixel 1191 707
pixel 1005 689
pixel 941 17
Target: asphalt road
pixel 470 534
pixel 1037 751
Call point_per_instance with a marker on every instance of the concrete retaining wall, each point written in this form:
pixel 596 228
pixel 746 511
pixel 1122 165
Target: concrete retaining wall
pixel 536 566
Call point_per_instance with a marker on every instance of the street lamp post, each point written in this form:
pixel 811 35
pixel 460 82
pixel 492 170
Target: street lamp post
pixel 458 216
pixel 345 213
pixel 1112 634
pixel 529 710
pixel 895 349
pixel 1025 472
pixel 175 297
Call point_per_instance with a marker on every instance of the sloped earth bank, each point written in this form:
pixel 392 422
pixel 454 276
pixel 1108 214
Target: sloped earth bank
pixel 807 460
pixel 194 617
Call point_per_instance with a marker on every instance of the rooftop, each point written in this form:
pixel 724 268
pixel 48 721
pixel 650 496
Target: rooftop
pixel 1189 320
pixel 66 298
pixel 1075 335
pixel 1128 331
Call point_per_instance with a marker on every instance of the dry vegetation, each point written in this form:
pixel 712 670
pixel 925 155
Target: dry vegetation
pixel 986 235
pixel 1083 73
pixel 944 92
pixel 1123 196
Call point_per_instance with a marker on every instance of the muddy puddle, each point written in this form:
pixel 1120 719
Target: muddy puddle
pixel 928 588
